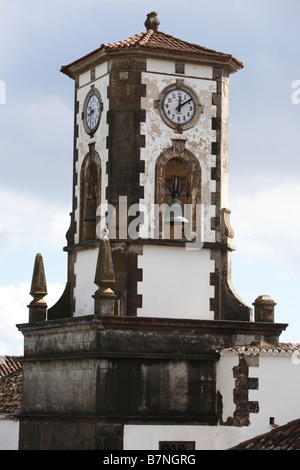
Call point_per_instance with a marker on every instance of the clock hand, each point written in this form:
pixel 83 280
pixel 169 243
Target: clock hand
pixel 180 105
pixel 186 102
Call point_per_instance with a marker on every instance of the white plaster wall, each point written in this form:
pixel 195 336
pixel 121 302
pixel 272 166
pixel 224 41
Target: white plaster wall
pixel 85 269
pixel 9 434
pixel 226 384
pixel 278 391
pixel 176 283
pixel 144 437
pixel 83 140
pixel 159 135
pixel 277 394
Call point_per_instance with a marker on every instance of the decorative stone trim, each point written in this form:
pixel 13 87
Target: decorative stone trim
pixel 255 351
pixel 124 141
pixel 244 383
pixel 135 275
pixel 9 418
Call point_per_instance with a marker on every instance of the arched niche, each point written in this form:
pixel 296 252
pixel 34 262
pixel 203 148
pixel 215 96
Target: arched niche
pixel 90 195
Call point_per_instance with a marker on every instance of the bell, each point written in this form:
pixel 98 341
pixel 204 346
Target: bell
pixel 90 215
pixel 174 213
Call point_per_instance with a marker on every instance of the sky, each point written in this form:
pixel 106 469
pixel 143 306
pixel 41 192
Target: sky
pixel 37 37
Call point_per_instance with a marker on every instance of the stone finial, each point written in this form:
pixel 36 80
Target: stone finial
pixel 152 22
pixel 38 306
pixel 264 309
pixel 105 298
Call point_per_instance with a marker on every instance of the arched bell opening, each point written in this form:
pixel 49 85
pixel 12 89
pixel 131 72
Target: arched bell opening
pixel 178 192
pixel 176 196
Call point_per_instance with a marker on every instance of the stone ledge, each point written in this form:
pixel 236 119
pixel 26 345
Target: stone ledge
pixel 159 324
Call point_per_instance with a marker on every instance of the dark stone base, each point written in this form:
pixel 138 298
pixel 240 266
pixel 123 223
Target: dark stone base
pixel 69 433
pixel 85 378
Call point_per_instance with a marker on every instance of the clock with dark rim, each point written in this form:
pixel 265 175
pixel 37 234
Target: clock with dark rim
pixel 179 106
pixel 92 111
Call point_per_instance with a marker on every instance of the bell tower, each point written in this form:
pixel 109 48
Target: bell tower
pixel 151 165
pixel 149 303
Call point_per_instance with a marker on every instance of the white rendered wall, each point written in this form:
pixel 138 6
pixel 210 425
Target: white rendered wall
pixel 176 283
pixel 159 135
pixel 226 384
pixel 278 391
pixel 9 434
pixel 83 140
pixel 85 269
pixel 147 437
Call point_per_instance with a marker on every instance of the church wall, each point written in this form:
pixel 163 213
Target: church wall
pixel 9 433
pixel 159 135
pixel 147 437
pixel 85 269
pixel 278 385
pixel 176 283
pixel 99 138
pixel 226 384
pixel 126 369
pixel 64 385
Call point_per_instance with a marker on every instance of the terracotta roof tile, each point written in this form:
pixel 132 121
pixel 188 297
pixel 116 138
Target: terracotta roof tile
pixel 10 385
pixel 9 364
pixel 11 393
pixel 157 41
pixel 285 437
pixel 283 349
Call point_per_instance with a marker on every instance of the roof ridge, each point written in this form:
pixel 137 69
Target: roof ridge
pixel 139 39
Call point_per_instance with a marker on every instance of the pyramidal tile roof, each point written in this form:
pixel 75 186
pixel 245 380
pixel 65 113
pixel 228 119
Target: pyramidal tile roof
pixel 161 41
pixel 153 40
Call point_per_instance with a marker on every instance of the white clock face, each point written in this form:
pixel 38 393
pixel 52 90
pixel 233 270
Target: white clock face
pixel 179 106
pixel 93 109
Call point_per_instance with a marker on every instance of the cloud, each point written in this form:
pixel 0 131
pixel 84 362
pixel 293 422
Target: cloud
pixel 39 156
pixel 27 224
pixel 24 218
pixel 13 310
pixel 267 225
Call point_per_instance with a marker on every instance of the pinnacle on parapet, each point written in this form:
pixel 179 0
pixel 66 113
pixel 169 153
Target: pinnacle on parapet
pixel 264 309
pixel 38 306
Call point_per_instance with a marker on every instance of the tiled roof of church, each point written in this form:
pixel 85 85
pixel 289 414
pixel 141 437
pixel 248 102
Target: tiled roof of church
pixel 9 364
pixel 285 437
pixel 10 385
pixel 282 349
pixel 155 40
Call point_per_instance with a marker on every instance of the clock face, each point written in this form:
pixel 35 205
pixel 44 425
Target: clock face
pixel 179 106
pixel 92 113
